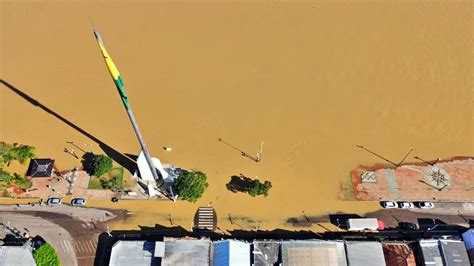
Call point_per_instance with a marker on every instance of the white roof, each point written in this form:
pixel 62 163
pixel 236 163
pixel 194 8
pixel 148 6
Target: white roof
pixel 136 253
pixel 144 168
pixel 18 256
pixel 365 253
pixel 231 252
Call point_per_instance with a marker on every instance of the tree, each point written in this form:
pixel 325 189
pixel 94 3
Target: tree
pixel 23 153
pixel 258 188
pixel 5 154
pixel 102 164
pixel 191 185
pixel 5 177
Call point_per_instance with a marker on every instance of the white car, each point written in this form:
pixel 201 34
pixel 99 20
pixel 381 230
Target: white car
pixel 425 204
pixel 78 202
pixel 405 205
pixel 54 201
pixel 389 204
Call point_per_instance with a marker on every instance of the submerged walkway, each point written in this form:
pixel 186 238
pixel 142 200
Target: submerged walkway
pixel 448 181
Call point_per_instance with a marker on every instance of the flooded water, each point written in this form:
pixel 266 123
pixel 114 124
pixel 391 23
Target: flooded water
pixel 312 80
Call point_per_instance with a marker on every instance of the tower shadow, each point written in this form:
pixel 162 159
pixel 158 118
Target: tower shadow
pixel 117 156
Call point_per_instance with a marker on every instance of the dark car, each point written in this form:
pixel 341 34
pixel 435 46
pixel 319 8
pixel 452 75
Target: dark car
pixel 407 226
pixel 78 202
pixel 37 242
pixel 115 199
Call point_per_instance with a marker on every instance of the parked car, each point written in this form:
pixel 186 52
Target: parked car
pixel 54 201
pixel 389 204
pixel 114 199
pixel 37 242
pixel 425 205
pixel 78 202
pixel 405 205
pixel 407 226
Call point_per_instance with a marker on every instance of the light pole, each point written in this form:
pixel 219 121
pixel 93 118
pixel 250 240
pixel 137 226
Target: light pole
pixel 432 164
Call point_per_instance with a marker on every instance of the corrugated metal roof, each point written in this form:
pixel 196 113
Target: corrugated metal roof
pixel 186 252
pixel 313 252
pixel 454 253
pixel 365 253
pixel 137 253
pixel 265 253
pixel 430 252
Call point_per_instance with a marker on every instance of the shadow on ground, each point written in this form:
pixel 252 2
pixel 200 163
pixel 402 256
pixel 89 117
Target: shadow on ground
pixel 158 232
pixel 239 183
pixel 117 156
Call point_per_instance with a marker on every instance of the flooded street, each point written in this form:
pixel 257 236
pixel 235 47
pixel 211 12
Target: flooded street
pixel 312 80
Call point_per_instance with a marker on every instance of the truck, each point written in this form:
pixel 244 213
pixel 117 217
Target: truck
pixel 362 224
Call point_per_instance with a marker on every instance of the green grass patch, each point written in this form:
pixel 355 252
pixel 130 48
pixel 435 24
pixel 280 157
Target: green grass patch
pixel 45 255
pixel 94 183
pixel 112 180
pixel 117 173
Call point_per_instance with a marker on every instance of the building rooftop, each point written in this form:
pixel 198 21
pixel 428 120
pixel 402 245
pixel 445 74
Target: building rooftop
pixel 265 252
pixel 16 255
pixel 137 253
pixel 313 252
pixel 231 252
pixel 398 254
pixel 430 252
pixel 186 252
pixel 40 168
pixel 468 238
pixel 365 253
pixel 454 252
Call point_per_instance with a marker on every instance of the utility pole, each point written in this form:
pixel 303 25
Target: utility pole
pixel 255 159
pixel 259 154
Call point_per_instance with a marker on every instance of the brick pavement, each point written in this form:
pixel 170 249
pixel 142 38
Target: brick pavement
pixel 448 181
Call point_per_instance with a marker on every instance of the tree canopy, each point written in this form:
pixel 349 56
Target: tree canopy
pixel 191 185
pixel 101 165
pixel 21 153
pixel 258 188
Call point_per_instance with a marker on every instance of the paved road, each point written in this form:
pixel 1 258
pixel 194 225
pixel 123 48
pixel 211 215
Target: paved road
pixel 83 248
pixel 78 213
pixel 72 231
pixel 51 232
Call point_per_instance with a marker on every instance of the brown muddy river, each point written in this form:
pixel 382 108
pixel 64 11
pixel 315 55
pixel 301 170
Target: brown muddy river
pixel 311 79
